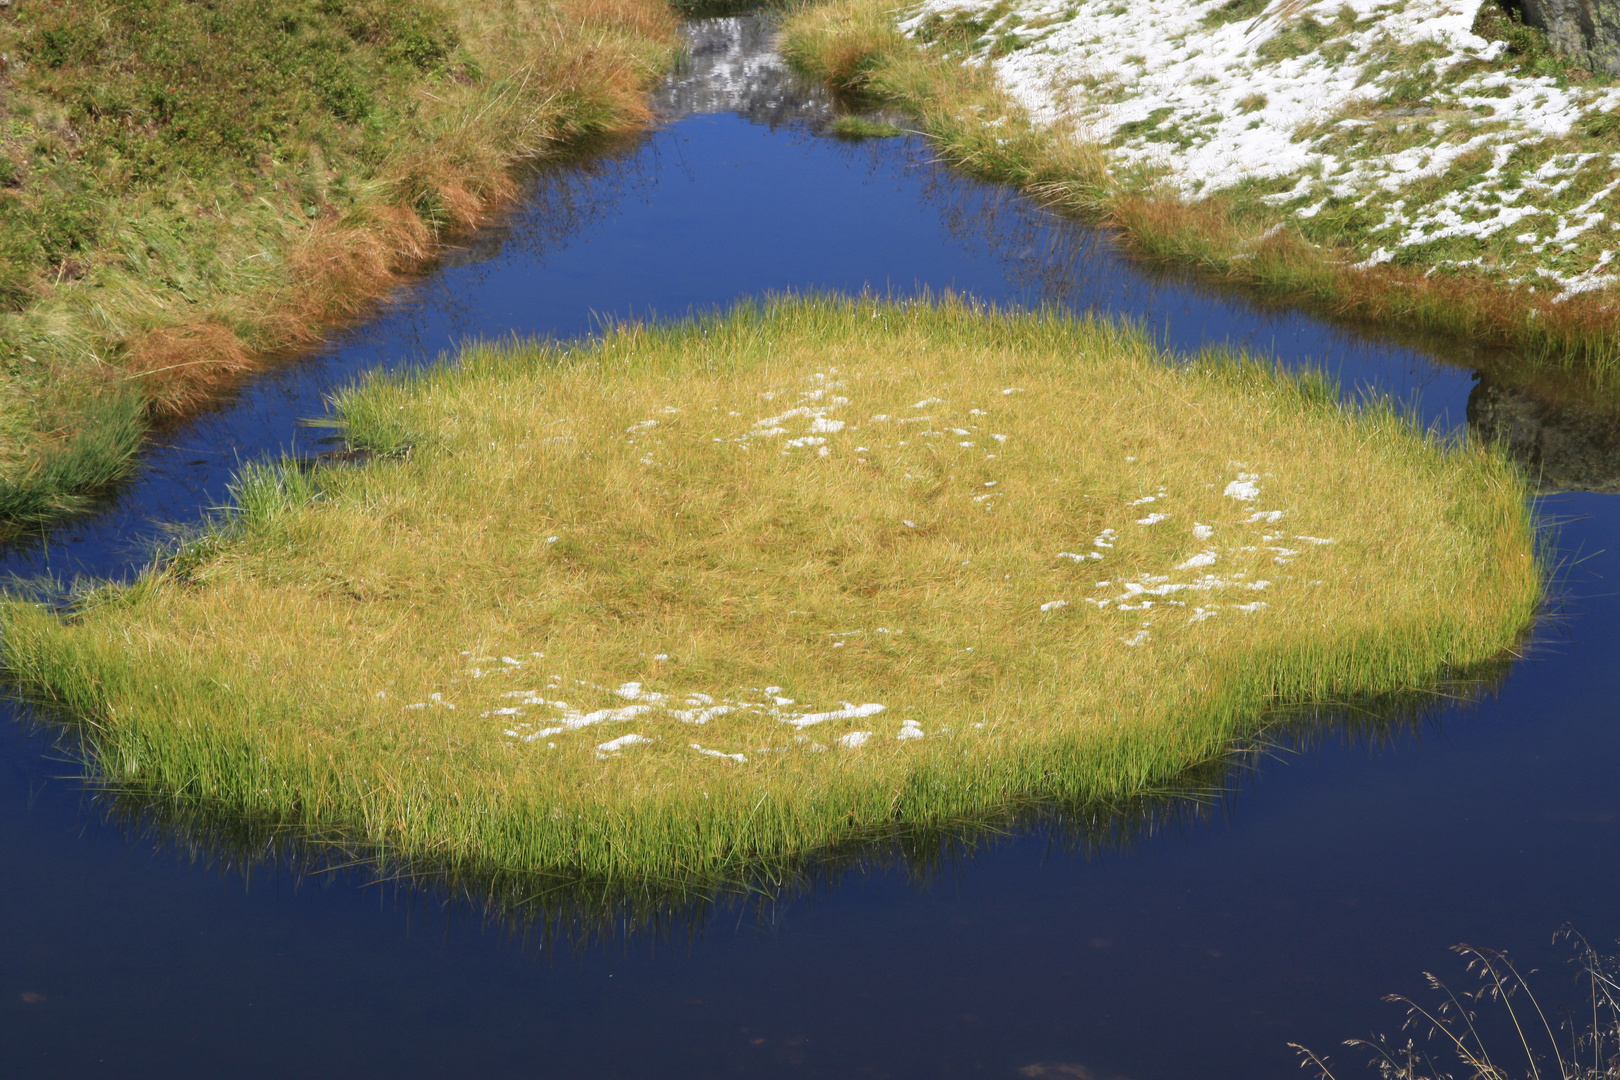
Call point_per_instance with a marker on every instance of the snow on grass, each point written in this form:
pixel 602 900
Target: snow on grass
pixel 744 721
pixel 614 746
pixel 652 707
pixel 1245 487
pixel 1142 592
pixel 1390 122
pixel 817 396
pixel 536 717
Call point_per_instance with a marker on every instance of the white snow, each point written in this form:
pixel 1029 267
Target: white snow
pixel 848 712
pixel 652 706
pixel 719 754
pixel 613 746
pixel 1244 487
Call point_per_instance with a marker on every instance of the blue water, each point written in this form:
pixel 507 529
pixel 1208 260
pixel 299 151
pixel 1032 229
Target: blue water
pixel 1326 877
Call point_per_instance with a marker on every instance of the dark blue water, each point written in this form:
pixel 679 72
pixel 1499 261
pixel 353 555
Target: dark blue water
pixel 1328 877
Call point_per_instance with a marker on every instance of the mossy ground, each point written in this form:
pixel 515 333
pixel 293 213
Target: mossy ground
pixel 707 596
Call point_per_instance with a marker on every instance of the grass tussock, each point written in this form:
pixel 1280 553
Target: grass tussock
pixel 739 591
pixel 854 46
pixel 188 189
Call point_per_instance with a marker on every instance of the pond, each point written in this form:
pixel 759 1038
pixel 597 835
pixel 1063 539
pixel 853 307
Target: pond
pixel 1197 937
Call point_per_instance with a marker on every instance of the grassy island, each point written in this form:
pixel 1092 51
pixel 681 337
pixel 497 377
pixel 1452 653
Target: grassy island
pixel 1430 166
pixel 190 189
pixel 701 596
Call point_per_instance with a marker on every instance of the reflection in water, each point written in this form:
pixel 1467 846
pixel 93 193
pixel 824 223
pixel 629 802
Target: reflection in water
pixel 556 911
pixel 732 66
pixel 562 199
pixel 1561 446
pixel 1044 259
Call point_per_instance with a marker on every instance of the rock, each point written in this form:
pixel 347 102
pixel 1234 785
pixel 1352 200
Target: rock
pixel 1589 29
pixel 1561 447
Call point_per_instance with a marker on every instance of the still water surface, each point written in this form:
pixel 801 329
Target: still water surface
pixel 1329 875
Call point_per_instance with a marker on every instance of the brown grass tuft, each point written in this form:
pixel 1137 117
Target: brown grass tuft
pixel 179 367
pixel 636 17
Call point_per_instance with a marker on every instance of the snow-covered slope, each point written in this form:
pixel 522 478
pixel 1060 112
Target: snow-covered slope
pixel 1391 116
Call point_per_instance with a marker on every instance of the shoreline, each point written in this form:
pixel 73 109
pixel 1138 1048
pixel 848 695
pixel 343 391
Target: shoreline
pixel 102 359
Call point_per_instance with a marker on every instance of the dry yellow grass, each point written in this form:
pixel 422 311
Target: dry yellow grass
pixel 706 595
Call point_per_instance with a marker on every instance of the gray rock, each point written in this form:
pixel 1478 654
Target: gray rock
pixel 1561 446
pixel 1589 29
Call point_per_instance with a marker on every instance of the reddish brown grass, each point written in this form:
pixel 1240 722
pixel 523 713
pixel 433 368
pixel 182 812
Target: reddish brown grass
pixel 179 366
pixel 1281 261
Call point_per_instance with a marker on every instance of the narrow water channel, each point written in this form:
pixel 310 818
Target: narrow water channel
pixel 1331 873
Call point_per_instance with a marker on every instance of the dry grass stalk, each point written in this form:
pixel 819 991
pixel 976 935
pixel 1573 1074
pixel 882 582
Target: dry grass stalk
pixel 1587 1046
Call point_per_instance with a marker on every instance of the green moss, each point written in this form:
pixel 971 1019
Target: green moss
pixel 1145 127
pixel 1296 39
pixel 1529 52
pixel 1602 125
pixel 959 31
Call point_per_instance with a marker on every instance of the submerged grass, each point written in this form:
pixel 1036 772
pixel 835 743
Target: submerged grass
pixel 858 127
pixel 1234 236
pixel 188 189
pixel 738 591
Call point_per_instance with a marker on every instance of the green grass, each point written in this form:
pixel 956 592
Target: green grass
pixel 856 128
pixel 1066 567
pixel 189 189
pixel 1235 11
